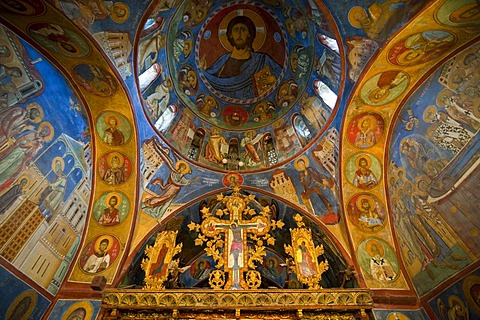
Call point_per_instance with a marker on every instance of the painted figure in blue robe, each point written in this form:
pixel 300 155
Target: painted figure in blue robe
pixel 52 197
pixel 243 73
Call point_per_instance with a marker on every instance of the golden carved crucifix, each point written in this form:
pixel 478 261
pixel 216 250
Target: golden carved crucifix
pixel 235 246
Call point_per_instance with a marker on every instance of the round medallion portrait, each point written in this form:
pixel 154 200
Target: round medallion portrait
pixel 95 80
pixel 421 47
pixel 111 209
pixel 363 170
pixel 365 130
pixel 384 87
pixel 378 259
pixel 78 310
pixel 367 212
pixel 100 253
pixel 23 305
pixel 459 13
pixel 59 39
pixel 114 168
pixel 114 129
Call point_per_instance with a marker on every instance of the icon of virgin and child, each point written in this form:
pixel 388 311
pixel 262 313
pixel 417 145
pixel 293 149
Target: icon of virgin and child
pixel 243 73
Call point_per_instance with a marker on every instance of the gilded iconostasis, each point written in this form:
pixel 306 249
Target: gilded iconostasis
pixel 124 122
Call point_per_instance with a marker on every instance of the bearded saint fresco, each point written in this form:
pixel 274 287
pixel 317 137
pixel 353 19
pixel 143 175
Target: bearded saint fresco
pixel 245 71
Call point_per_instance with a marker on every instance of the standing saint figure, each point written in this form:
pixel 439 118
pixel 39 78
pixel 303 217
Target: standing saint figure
pixel 17 156
pixel 17 120
pixel 249 141
pixel 305 260
pixel 8 198
pixel 52 196
pixel 316 183
pixel 216 148
pixel 243 73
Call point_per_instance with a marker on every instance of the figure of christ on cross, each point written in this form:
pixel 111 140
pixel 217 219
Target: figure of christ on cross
pixel 236 241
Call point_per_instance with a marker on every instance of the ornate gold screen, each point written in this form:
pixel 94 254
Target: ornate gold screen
pixel 236 304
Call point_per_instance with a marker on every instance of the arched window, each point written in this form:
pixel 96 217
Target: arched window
pixel 303 132
pixel 166 118
pixel 152 25
pixel 324 92
pixel 328 42
pixel 146 78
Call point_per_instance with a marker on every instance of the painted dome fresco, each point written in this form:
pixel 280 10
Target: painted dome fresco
pixel 260 79
pixel 321 153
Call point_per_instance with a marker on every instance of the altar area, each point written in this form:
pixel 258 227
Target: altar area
pixel 236 234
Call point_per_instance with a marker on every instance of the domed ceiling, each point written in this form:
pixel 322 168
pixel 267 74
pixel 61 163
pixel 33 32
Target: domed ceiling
pixel 122 121
pixel 258 81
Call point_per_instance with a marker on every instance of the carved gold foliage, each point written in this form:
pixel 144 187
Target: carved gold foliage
pixel 277 224
pixel 263 300
pixel 246 300
pixel 319 250
pixel 363 298
pixel 217 279
pixel 205 212
pixel 168 300
pixel 200 240
pixel 299 220
pixel 253 279
pixel 130 299
pixel 228 300
pixel 256 255
pixel 289 250
pixel 111 299
pixel 345 299
pixel 266 211
pixel 193 226
pixel 219 213
pixel 215 253
pixel 236 223
pixel 326 299
pixel 187 299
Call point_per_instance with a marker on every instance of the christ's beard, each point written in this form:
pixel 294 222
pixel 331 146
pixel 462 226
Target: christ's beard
pixel 240 46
